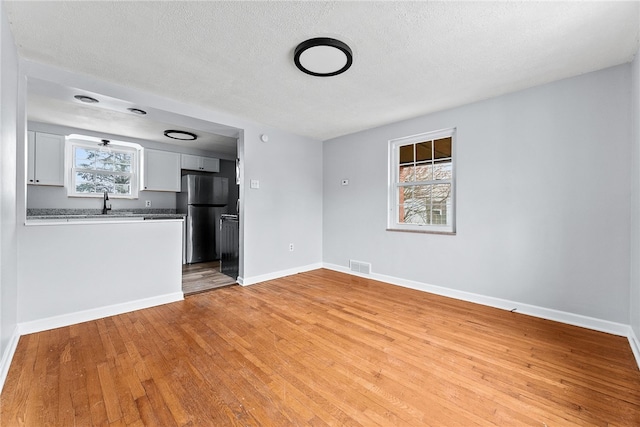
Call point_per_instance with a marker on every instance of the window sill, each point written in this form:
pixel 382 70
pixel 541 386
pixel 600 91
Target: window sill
pixel 446 233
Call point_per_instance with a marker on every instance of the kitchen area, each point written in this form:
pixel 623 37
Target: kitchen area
pixel 88 181
pixel 202 191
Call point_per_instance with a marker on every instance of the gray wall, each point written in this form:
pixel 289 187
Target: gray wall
pixel 543 183
pixel 287 208
pixel 8 154
pixel 635 200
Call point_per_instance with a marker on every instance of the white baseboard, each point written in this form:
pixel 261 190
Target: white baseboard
pixel 96 313
pixel 635 345
pixel 531 310
pixel 7 356
pixel 278 274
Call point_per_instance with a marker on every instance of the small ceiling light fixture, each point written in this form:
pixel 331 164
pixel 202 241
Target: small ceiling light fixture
pixel 104 146
pixel 323 57
pixel 87 99
pixel 137 111
pixel 181 135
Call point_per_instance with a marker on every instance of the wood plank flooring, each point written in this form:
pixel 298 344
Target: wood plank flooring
pixel 203 276
pixel 321 349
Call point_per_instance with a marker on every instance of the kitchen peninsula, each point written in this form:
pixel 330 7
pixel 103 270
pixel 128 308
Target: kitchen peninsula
pixel 78 270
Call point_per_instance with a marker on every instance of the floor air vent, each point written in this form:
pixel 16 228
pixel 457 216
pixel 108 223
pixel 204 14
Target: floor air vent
pixel 360 267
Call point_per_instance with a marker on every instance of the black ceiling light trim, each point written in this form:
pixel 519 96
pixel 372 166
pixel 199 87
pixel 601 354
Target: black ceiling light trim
pixel 180 134
pixel 87 99
pixel 137 111
pixel 319 42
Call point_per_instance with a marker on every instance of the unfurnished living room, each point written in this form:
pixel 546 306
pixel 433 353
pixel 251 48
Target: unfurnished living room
pixel 415 213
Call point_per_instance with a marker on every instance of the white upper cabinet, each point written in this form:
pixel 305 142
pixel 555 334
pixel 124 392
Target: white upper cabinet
pixel 161 171
pixel 191 162
pixel 209 164
pixel 199 163
pixel 45 159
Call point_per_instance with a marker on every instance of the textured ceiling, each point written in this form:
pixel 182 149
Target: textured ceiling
pixel 410 58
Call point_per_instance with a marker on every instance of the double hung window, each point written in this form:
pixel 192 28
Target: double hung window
pixel 97 167
pixel 422 185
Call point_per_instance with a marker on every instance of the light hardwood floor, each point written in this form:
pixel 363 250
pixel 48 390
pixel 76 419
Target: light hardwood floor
pixel 321 348
pixel 203 276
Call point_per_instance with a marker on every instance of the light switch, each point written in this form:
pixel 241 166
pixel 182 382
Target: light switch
pixel 255 183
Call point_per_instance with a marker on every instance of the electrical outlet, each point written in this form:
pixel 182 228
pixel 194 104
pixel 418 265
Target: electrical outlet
pixel 290 247
pixel 147 203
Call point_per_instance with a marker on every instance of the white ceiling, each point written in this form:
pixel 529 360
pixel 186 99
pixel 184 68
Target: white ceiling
pixel 410 58
pixel 51 103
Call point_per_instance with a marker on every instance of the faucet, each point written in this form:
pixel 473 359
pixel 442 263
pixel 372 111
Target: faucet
pixel 105 207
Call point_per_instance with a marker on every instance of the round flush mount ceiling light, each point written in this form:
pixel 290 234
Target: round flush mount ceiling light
pixel 137 111
pixel 181 135
pixel 87 99
pixel 323 57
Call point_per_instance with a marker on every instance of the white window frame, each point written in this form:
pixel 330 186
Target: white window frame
pixel 394 187
pixel 73 141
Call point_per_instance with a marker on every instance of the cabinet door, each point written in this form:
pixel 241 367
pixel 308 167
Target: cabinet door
pixel 31 157
pixel 209 164
pixel 161 171
pixel 49 159
pixel 191 162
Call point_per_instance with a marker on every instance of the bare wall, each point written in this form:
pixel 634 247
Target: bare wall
pixel 543 184
pixel 634 298
pixel 8 153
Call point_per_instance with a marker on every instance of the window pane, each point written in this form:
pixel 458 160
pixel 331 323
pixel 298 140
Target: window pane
pixel 414 214
pixel 84 158
pixel 413 204
pixel 123 184
pixel 104 160
pixel 442 170
pixel 84 182
pixel 441 204
pixel 441 193
pixel 406 154
pixel 105 183
pixel 122 189
pixel 122 179
pixel 123 158
pixel 119 167
pixel 442 148
pixel 424 172
pixel 406 174
pixel 423 151
pixel 439 214
pixel 122 162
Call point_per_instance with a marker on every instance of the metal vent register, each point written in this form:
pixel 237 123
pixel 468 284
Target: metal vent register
pixel 360 267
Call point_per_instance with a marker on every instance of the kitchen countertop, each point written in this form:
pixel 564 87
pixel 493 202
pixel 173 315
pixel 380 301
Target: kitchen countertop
pixel 88 214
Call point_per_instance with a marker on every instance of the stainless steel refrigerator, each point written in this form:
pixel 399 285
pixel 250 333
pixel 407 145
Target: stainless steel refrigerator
pixel 204 199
